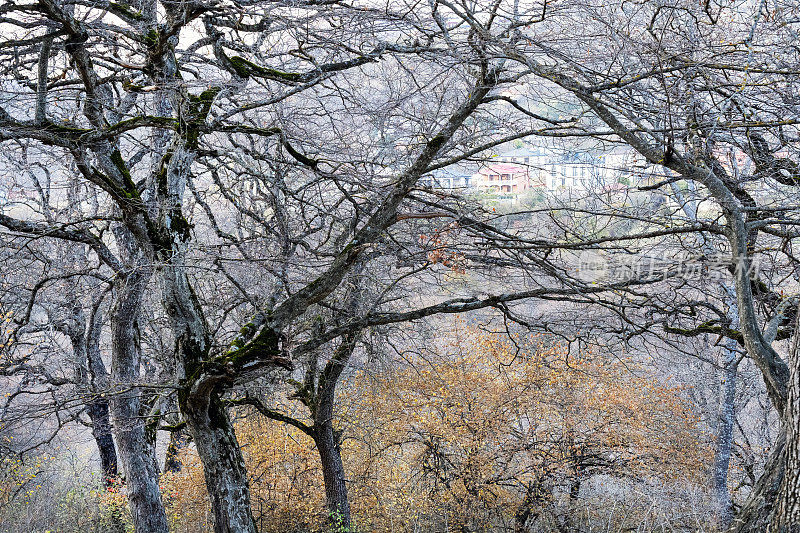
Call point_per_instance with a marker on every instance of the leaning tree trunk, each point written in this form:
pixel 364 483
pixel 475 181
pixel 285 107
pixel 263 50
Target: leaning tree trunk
pixel 223 464
pixel 136 445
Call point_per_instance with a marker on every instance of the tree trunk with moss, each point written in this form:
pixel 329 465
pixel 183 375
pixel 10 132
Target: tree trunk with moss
pixel 223 463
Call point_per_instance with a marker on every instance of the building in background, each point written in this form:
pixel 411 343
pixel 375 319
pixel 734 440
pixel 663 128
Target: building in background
pixel 517 170
pixel 506 179
pixel 453 177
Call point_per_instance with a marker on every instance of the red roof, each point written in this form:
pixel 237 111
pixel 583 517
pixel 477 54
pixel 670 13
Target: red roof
pixel 504 168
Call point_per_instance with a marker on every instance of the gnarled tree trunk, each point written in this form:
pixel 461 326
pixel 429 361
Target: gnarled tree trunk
pixel 200 405
pixel 785 481
pixel 136 445
pixel 774 503
pixel 223 464
pixel 756 513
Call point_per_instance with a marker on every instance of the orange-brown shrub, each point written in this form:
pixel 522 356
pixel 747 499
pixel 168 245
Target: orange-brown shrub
pixel 481 436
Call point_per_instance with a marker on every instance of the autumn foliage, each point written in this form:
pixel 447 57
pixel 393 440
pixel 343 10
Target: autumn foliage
pixel 483 433
pixel 491 432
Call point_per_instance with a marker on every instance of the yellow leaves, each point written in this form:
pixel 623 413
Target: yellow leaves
pixel 462 434
pixel 485 408
pixel 285 480
pixel 17 477
pixel 6 338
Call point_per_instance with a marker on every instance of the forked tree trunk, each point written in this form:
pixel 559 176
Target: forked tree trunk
pixel 223 464
pixel 85 347
pixel 201 407
pixel 97 407
pixel 199 401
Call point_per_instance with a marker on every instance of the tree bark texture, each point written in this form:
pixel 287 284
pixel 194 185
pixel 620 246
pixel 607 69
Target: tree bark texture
pixel 786 518
pixel 726 419
pixel 333 476
pixel 136 444
pixel 99 413
pixel 223 464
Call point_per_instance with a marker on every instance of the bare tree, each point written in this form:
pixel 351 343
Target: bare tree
pixel 666 96
pixel 248 158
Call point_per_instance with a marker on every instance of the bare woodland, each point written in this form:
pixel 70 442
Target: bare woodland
pixel 230 302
